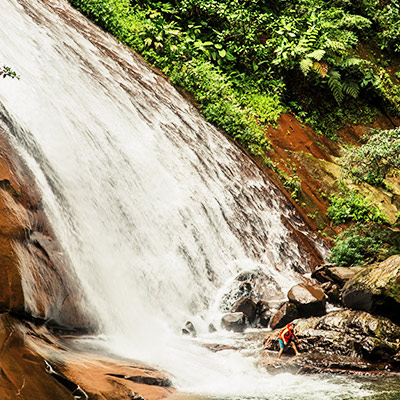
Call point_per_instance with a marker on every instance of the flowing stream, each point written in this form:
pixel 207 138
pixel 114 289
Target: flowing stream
pixel 155 208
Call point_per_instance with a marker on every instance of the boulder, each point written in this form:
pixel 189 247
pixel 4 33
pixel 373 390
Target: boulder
pixel 257 284
pixel 310 300
pixel 286 313
pixel 332 291
pixel 234 322
pixel 346 333
pixel 189 329
pixel 320 273
pixel 376 289
pixel 265 318
pixel 332 273
pixel 263 313
pixel 340 275
pixel 247 306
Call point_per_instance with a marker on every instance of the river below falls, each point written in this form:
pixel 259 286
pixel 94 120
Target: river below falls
pixel 352 388
pixel 237 373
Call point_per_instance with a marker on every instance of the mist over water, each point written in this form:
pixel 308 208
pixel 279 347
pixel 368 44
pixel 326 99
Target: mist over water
pixel 155 208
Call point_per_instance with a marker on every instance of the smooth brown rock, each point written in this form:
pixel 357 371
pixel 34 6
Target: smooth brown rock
pixel 286 313
pixel 376 289
pixel 13 222
pixel 36 365
pixel 234 322
pixel 247 306
pixel 36 277
pixel 23 372
pixel 346 333
pixel 310 300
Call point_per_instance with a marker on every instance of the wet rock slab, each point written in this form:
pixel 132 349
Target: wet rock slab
pixel 357 339
pixel 376 289
pixel 36 365
pixel 315 363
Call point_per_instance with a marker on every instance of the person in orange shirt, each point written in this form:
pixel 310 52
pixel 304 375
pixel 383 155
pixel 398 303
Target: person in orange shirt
pixel 286 336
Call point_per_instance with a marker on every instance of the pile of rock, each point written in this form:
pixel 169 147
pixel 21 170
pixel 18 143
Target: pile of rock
pixel 367 328
pixel 305 300
pixel 247 312
pixel 246 303
pixel 362 334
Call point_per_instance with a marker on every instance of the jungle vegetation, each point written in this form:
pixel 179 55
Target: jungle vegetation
pixel 246 62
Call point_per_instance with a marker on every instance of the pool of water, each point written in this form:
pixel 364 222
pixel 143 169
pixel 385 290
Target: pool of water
pixel 325 388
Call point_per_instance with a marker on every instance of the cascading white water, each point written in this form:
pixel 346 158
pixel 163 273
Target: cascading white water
pixel 155 208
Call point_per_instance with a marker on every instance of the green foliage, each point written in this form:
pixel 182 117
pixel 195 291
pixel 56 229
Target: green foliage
pixel 263 56
pixel 293 184
pixel 374 160
pixel 350 206
pixel 220 104
pixel 365 243
pixel 7 71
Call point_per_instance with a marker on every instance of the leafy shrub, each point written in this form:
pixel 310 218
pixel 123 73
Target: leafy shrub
pixel 293 184
pixel 220 103
pixel 261 55
pixel 365 243
pixel 349 206
pixel 375 159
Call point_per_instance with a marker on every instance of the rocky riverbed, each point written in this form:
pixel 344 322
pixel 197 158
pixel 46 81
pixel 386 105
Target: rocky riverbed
pixel 346 320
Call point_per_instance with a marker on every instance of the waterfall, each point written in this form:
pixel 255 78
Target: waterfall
pixel 155 208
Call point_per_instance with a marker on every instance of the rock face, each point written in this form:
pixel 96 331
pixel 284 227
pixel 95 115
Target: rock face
pixel 23 371
pixel 234 322
pixel 346 333
pixel 376 289
pixel 36 278
pixel 37 281
pixel 36 365
pixel 334 274
pixel 309 300
pixel 247 306
pixel 286 313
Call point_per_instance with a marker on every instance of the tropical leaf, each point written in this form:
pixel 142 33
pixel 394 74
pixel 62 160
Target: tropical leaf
pixel 334 83
pixel 320 67
pixel 334 45
pixel 351 88
pixel 305 65
pixel 317 54
pixel 349 62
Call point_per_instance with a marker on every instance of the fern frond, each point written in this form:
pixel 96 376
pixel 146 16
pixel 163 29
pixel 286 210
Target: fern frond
pixel 336 86
pixel 317 54
pixel 320 67
pixel 350 62
pixel 306 43
pixel 305 65
pixel 334 45
pixel 351 88
pixel 312 35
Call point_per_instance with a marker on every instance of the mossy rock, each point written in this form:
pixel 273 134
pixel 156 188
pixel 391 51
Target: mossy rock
pixel 376 289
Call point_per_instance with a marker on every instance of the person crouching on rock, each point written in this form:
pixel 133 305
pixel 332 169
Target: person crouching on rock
pixel 286 336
